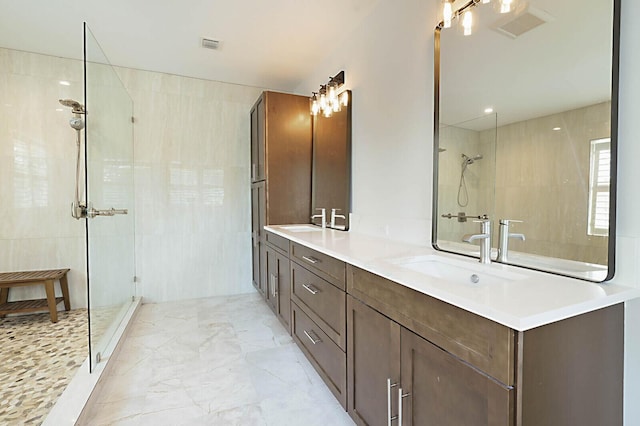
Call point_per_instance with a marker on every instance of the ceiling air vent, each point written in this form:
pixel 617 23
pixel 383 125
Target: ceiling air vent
pixel 209 43
pixel 524 19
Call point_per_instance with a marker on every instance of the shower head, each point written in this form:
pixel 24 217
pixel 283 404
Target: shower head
pixel 77 107
pixel 470 160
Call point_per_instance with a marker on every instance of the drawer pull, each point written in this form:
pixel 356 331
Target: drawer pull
pixel 310 288
pixel 400 396
pixel 314 341
pixel 390 418
pixel 312 260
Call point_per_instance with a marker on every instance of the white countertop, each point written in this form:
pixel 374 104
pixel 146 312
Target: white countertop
pixel 518 298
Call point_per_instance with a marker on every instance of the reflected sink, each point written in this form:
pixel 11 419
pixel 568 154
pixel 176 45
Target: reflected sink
pixel 301 228
pixel 456 270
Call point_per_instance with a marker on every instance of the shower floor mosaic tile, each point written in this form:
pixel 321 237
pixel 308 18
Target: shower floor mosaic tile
pixel 215 361
pixel 39 358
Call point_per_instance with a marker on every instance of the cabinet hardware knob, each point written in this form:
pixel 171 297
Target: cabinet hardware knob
pixel 314 341
pixel 310 288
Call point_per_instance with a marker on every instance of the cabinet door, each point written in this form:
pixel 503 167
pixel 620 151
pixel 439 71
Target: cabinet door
pixel 278 285
pixel 258 141
pixel 257 224
pixel 373 359
pixel 442 390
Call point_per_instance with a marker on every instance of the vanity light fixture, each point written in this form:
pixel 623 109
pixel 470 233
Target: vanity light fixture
pixel 327 99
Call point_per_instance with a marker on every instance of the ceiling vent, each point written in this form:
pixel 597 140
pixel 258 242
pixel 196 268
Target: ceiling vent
pixel 209 43
pixel 524 19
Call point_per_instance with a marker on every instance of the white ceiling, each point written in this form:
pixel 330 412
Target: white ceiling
pixel 265 43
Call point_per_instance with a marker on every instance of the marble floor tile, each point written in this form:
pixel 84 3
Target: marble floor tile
pixel 215 361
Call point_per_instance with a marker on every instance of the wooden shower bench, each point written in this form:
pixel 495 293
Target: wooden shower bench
pixel 47 278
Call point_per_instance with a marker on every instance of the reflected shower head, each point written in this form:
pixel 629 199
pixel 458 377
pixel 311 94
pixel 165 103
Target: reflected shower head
pixel 77 107
pixel 470 160
pixel 77 123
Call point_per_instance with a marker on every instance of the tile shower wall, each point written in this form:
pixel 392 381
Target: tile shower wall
pixel 37 170
pixel 192 158
pixel 540 169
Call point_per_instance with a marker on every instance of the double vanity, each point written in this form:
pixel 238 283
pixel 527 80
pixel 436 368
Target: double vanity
pixel 403 334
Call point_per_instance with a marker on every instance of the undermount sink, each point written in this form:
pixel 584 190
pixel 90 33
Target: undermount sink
pixel 301 228
pixel 456 270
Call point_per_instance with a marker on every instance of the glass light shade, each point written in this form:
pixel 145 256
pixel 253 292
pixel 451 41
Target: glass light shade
pixel 327 112
pixel 332 92
pixel 467 22
pixel 344 98
pixel 314 105
pixel 506 6
pixel 323 101
pixel 447 14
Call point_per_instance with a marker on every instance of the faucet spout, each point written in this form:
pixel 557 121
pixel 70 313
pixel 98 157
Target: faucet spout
pixel 485 237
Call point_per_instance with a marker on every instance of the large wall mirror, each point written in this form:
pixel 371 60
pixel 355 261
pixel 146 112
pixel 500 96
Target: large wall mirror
pixel 525 133
pixel 331 180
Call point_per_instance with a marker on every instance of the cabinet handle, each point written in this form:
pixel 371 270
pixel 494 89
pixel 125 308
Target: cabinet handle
pixel 400 396
pixel 253 171
pixel 314 341
pixel 312 260
pixel 389 417
pixel 274 286
pixel 310 288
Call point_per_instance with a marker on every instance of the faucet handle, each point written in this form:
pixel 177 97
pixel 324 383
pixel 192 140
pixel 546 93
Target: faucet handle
pixel 509 221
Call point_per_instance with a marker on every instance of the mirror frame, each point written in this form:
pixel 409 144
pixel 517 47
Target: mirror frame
pixel 615 72
pixel 346 211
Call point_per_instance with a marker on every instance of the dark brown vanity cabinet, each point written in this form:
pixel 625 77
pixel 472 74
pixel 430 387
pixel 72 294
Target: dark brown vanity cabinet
pixel 318 306
pixel 418 361
pixel 386 360
pixel 278 281
pixel 280 169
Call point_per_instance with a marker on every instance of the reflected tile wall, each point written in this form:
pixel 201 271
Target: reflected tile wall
pixel 37 170
pixel 192 158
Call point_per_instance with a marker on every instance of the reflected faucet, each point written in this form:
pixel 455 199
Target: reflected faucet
pixel 504 235
pixel 335 216
pixel 322 215
pixel 485 236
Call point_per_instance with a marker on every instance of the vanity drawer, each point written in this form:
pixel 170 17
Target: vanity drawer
pixel 327 358
pixel 483 343
pixel 329 268
pixel 278 242
pixel 323 302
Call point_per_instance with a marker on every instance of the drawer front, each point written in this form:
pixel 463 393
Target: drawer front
pixel 323 302
pixel 327 358
pixel 487 345
pixel 278 242
pixel 329 268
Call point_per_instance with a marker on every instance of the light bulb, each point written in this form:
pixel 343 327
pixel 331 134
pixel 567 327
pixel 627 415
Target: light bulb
pixel 344 98
pixel 505 6
pixel 447 13
pixel 323 101
pixel 467 22
pixel 315 107
pixel 335 105
pixel 327 112
pixel 332 92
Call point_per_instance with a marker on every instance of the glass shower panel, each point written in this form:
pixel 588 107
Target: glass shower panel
pixel 110 197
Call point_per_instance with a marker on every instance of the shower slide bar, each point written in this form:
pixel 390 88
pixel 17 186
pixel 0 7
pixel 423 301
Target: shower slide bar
pixel 462 217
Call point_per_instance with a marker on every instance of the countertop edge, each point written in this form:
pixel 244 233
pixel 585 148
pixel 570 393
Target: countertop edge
pixel 522 323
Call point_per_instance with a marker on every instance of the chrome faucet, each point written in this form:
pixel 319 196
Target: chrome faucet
pixel 504 235
pixel 322 215
pixel 485 236
pixel 335 216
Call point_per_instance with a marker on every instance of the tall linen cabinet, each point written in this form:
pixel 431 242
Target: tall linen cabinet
pixel 281 150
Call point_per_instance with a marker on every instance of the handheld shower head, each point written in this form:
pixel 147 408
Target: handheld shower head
pixel 77 123
pixel 470 160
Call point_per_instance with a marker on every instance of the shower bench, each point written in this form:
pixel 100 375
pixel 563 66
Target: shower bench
pixel 21 279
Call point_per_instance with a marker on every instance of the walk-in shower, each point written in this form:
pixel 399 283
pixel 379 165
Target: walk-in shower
pixel 463 192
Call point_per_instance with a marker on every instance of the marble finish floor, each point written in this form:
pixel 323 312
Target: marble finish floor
pixel 215 361
pixel 39 359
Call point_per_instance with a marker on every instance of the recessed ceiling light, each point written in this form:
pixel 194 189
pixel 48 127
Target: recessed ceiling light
pixel 557 128
pixel 488 110
pixel 64 83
